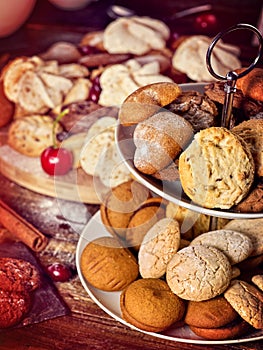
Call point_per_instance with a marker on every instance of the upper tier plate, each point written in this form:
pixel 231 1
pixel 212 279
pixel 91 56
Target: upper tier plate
pixel 171 191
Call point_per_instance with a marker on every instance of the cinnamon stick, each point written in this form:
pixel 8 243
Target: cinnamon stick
pixel 21 229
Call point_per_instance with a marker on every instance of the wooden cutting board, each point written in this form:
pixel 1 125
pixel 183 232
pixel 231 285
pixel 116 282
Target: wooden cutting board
pixel 27 172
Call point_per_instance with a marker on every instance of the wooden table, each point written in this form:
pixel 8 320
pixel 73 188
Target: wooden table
pixel 86 326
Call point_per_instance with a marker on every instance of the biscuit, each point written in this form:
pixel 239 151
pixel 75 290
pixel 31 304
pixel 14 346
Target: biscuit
pixel 235 245
pixel 192 224
pixel 247 300
pixel 147 100
pixel 159 139
pixel 198 273
pixel 197 108
pixel 150 212
pixel 253 229
pixel 251 263
pixel 150 305
pixel 135 35
pixel 31 135
pixel 120 204
pixel 212 313
pixel 258 281
pixel 253 202
pixel 6 108
pixel 251 132
pixel 230 331
pixel 251 84
pixel 159 244
pixel 224 57
pixel 217 169
pixel 107 265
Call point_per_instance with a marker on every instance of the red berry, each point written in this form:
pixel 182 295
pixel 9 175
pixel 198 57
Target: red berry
pixel 206 22
pixel 56 161
pixel 59 272
pixel 94 93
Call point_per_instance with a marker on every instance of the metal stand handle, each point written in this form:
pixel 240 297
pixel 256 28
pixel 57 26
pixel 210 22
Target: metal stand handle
pixel 231 77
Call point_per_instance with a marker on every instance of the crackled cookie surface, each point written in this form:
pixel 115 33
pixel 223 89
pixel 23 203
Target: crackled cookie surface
pixel 157 248
pixel 236 245
pixel 247 300
pixel 198 273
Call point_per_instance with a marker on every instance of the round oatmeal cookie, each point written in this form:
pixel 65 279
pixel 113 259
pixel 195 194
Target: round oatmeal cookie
pixel 159 244
pixel 198 273
pixel 149 304
pixel 235 245
pixel 217 169
pixel 32 134
pixel 13 307
pixel 247 300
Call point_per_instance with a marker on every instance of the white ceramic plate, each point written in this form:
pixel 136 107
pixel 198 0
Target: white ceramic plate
pixel 172 191
pixel 109 301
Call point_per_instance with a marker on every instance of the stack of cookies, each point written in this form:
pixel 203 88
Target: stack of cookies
pixel 171 270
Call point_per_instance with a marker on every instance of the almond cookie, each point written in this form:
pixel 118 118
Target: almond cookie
pixel 235 245
pixel 107 265
pixel 251 132
pixel 159 244
pixel 149 304
pixel 31 135
pixel 159 139
pixel 217 169
pixel 198 273
pixel 253 228
pixel 212 313
pixel 247 300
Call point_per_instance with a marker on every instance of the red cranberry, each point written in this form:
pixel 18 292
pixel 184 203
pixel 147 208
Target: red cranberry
pixel 94 93
pixel 59 272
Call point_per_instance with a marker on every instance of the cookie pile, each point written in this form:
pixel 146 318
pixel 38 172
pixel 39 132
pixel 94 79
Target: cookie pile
pixel 178 272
